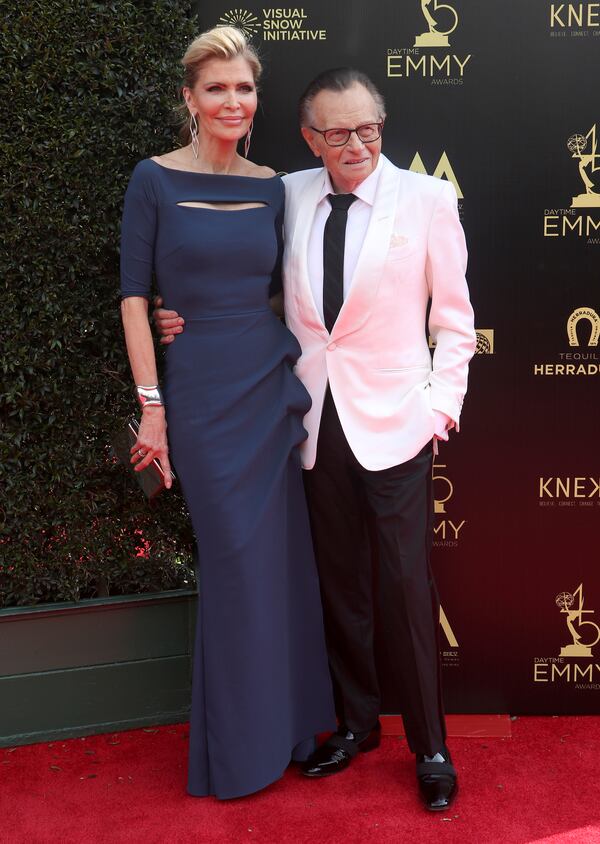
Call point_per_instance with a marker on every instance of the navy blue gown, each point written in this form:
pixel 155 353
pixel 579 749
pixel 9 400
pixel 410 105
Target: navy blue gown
pixel 261 687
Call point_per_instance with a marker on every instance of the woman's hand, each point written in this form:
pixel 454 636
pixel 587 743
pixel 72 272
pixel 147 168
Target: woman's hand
pixel 152 442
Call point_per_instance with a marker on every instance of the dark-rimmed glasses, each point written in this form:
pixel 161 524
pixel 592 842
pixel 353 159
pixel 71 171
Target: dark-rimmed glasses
pixel 367 133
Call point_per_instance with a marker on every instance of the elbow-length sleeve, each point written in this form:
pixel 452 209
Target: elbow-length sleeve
pixel 138 230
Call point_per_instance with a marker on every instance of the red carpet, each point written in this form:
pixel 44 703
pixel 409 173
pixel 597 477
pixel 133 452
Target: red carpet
pixel 542 785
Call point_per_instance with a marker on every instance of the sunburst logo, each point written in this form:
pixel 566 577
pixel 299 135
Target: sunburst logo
pixel 241 19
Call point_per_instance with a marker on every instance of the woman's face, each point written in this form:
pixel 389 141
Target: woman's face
pixel 223 98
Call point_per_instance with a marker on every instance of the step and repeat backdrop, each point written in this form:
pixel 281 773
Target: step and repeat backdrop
pixel 502 100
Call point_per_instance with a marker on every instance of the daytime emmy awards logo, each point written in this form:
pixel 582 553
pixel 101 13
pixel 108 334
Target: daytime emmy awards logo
pixel 441 20
pixel 585 635
pixel 567 222
pixel 274 24
pixel 445 530
pixel 580 362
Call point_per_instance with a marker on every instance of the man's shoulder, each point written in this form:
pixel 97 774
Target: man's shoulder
pixel 300 178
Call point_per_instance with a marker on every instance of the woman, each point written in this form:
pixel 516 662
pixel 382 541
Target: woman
pixel 207 222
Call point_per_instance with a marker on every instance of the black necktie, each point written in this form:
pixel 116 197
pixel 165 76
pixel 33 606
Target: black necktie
pixel 334 238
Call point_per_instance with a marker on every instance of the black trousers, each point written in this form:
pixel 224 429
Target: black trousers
pixel 344 498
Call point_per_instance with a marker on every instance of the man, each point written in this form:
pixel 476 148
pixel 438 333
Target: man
pixel 368 246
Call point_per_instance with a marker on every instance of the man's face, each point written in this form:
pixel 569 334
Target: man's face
pixel 348 165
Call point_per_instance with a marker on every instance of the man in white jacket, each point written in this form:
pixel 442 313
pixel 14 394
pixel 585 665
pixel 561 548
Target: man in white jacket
pixel 368 247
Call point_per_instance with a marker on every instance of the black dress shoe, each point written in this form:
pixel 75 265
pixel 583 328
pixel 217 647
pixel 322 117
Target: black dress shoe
pixel 438 785
pixel 339 750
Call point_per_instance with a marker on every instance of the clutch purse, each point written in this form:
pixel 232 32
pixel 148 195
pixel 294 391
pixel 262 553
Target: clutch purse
pixel 152 478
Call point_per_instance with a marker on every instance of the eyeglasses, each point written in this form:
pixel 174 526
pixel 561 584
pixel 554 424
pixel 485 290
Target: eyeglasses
pixel 367 133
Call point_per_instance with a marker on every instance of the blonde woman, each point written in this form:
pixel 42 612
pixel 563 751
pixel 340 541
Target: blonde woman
pixel 207 222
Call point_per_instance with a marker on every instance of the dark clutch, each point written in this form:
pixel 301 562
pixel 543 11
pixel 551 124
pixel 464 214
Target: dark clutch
pixel 152 478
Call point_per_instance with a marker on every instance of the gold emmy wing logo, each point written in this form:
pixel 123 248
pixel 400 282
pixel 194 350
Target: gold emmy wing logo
pixel 583 640
pixel 586 314
pixel 241 19
pixel 442 170
pixel 448 632
pixel 441 23
pixel 589 163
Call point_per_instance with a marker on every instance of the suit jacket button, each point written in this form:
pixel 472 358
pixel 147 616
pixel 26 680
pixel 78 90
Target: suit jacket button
pixel 332 347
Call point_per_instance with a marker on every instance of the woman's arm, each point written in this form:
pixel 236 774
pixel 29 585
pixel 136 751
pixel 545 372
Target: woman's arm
pixel 138 233
pixel 152 436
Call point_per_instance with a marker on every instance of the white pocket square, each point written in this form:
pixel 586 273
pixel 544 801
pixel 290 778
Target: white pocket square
pixel 398 240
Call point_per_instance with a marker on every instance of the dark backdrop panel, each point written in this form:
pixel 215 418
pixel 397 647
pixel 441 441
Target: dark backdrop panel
pixel 517 491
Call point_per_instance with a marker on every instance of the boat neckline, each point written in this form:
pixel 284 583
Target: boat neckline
pixel 221 175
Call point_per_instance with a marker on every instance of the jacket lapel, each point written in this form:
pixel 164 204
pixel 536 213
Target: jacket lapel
pixel 371 261
pixel 307 206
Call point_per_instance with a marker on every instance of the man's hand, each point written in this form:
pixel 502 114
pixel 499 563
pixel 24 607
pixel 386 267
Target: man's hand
pixel 168 323
pixel 442 425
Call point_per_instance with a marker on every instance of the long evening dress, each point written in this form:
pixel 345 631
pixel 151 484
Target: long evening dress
pixel 261 687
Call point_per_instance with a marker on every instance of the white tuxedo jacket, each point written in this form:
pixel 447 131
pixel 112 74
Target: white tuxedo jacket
pixel 377 358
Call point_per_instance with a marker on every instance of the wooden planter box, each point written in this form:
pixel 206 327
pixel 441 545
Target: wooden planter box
pixel 96 666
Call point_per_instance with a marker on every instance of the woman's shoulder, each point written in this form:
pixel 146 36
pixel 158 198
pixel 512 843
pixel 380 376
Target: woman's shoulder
pixel 143 172
pixel 261 171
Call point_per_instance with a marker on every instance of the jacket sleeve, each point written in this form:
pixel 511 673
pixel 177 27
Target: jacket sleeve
pixel 138 231
pixel 451 316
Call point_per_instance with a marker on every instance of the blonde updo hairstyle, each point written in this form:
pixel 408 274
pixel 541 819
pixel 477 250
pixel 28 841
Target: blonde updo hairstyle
pixel 222 42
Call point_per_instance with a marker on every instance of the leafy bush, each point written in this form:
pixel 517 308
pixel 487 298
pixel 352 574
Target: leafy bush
pixel 88 90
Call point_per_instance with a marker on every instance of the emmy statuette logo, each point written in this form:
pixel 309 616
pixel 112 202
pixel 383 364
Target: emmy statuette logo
pixel 574 667
pixel 442 495
pixel 574 221
pixel 441 24
pixel 588 165
pixel 583 639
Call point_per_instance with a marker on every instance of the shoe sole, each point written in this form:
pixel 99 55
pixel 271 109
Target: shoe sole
pixel 443 808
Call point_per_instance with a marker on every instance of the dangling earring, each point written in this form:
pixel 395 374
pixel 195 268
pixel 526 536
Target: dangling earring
pixel 247 141
pixel 194 134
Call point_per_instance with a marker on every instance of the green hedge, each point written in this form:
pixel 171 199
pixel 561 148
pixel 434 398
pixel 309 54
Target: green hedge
pixel 87 90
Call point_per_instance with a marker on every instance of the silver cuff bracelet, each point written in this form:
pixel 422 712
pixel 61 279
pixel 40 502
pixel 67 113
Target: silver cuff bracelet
pixel 149 396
